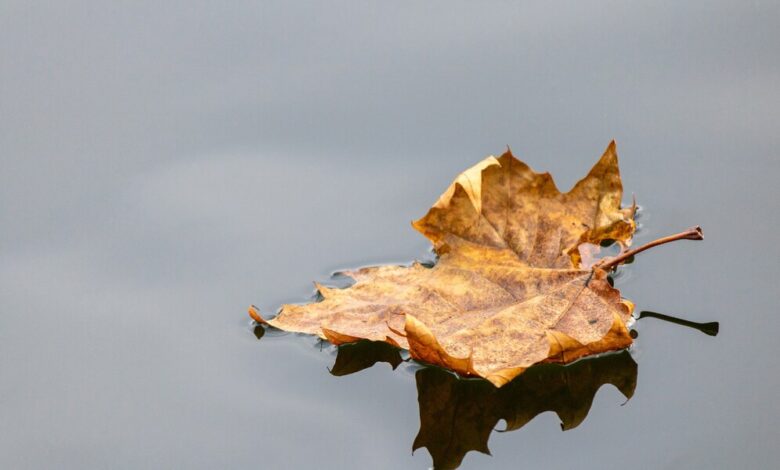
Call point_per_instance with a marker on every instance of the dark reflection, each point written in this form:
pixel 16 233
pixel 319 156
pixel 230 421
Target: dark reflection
pixel 710 328
pixel 457 415
pixel 259 331
pixel 355 357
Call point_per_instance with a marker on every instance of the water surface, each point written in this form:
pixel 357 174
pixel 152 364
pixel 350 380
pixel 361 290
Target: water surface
pixel 165 166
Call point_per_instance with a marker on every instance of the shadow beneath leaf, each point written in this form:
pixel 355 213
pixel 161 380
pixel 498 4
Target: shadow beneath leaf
pixel 355 357
pixel 259 331
pixel 457 415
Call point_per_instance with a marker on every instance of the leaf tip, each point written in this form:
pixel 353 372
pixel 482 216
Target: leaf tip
pixel 695 233
pixel 254 312
pixel 504 376
pixel 336 338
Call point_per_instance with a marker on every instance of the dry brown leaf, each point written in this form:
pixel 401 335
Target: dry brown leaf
pixel 507 291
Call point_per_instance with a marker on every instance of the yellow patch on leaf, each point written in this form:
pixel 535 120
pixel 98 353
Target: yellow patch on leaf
pixel 508 289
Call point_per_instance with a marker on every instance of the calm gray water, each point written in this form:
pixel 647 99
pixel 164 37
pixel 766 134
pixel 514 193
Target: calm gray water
pixel 164 166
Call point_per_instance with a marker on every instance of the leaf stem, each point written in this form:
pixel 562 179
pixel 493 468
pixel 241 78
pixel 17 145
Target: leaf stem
pixel 694 233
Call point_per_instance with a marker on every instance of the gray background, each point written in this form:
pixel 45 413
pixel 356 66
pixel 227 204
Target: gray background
pixel 165 165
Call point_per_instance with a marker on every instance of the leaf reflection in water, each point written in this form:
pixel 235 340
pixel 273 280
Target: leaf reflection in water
pixel 355 357
pixel 457 415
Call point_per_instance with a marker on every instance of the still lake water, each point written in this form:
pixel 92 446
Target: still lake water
pixel 164 166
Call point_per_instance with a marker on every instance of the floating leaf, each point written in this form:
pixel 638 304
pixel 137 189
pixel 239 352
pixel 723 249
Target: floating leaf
pixel 509 289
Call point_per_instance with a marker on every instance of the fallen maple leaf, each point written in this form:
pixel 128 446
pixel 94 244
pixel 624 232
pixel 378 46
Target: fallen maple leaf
pixel 509 289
